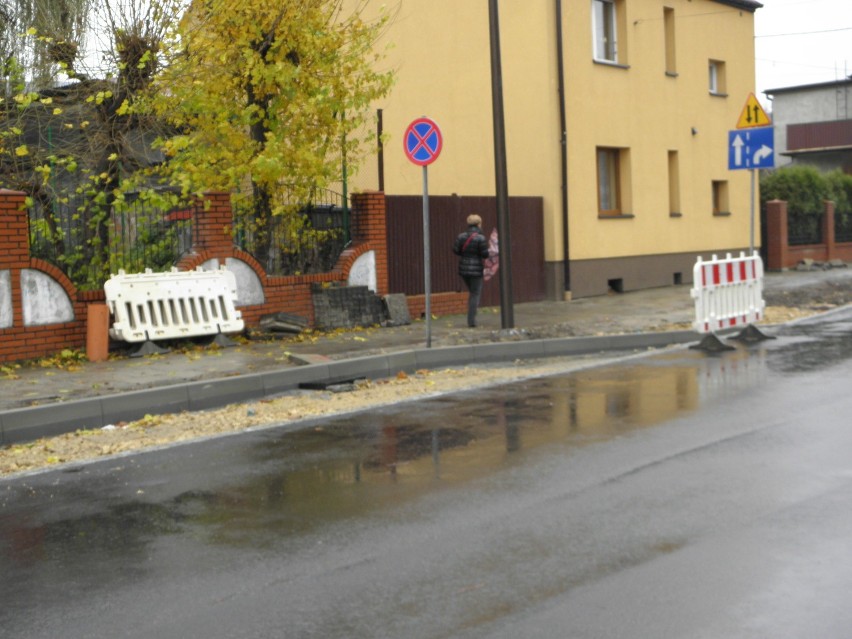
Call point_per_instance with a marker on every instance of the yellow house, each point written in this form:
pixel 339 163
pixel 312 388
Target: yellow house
pixel 641 102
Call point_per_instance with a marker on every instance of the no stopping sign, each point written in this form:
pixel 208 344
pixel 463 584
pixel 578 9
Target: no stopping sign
pixel 422 141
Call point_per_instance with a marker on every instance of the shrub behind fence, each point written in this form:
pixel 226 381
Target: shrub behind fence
pixel 137 236
pixel 309 242
pixel 804 228
pixel 88 246
pixel 843 225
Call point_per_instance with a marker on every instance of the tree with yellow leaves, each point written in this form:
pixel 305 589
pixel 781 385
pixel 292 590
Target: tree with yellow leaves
pixel 270 99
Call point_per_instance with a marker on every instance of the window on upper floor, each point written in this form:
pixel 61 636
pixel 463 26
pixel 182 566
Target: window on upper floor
pixel 669 29
pixel 613 171
pixel 605 27
pixel 717 82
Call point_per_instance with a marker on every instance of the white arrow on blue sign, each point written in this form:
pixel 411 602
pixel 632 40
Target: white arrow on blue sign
pixel 751 148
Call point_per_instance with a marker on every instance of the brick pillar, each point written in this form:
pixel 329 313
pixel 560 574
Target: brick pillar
pixel 828 231
pixel 14 255
pixel 776 235
pixel 369 225
pixel 14 239
pixel 214 224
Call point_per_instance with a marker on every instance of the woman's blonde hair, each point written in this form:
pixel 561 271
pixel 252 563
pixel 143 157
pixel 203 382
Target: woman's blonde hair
pixel 474 219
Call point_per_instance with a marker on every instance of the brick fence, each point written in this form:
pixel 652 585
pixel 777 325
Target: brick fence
pixel 26 333
pixel 780 255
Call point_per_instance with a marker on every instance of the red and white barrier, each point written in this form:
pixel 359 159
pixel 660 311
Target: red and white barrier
pixel 728 292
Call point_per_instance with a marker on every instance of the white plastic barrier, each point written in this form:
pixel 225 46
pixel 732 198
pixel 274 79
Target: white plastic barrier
pixel 178 304
pixel 728 292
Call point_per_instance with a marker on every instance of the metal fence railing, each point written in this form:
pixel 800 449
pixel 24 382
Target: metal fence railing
pixel 804 228
pixel 88 244
pixel 309 242
pixel 842 226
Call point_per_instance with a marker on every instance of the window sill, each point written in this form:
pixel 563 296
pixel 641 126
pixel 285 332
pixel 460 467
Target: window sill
pixel 610 63
pixel 615 216
pixel 675 214
pixel 671 74
pixel 721 214
pixel 716 94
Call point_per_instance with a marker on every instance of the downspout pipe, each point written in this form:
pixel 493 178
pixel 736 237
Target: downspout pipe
pixel 560 65
pixel 380 129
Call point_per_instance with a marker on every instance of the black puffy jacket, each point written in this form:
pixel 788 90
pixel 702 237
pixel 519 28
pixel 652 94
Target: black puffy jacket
pixel 472 247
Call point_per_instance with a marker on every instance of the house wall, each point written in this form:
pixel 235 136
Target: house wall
pixel 813 103
pixel 440 53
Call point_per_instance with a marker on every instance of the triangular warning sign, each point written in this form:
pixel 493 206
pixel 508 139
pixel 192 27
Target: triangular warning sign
pixel 753 114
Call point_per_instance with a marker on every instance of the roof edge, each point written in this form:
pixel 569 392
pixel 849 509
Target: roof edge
pixel 748 5
pixel 815 85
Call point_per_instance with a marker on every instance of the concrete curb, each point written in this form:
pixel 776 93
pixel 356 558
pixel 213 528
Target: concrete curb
pixel 27 424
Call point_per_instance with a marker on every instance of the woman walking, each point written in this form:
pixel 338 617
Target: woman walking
pixel 472 247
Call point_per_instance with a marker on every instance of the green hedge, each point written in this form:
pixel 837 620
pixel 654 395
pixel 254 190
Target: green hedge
pixel 805 190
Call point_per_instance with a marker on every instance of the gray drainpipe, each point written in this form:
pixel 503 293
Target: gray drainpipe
pixel 564 143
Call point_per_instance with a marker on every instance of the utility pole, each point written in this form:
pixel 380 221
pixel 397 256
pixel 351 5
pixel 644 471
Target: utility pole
pixel 505 271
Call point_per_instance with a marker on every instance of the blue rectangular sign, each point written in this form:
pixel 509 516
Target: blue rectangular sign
pixel 751 148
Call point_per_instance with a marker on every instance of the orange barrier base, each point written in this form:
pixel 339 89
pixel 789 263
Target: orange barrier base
pixel 97 333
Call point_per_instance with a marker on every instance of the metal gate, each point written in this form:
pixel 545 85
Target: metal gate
pixel 447 215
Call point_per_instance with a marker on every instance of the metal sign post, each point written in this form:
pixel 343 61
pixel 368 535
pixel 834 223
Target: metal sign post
pixel 751 224
pixel 751 149
pixel 752 146
pixel 427 259
pixel 423 143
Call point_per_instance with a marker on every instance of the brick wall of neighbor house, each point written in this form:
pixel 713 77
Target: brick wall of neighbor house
pixel 291 294
pixel 780 255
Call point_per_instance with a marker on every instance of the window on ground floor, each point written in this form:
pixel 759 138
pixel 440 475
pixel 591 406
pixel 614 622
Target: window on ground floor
pixel 674 184
pixel 613 173
pixel 721 206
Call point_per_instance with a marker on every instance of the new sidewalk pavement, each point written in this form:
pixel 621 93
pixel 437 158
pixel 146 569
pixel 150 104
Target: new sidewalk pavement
pixel 43 402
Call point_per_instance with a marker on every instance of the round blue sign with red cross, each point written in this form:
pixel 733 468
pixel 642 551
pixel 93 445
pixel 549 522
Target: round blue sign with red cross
pixel 422 141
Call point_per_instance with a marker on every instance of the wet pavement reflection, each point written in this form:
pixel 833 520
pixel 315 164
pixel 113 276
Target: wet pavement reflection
pixel 96 527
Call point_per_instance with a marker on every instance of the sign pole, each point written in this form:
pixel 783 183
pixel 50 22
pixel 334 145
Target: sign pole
pixel 422 143
pixel 427 259
pixel 751 236
pixel 752 146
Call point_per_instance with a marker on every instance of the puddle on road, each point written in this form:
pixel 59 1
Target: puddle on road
pixel 263 488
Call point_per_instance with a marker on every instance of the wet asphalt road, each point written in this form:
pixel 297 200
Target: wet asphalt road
pixel 678 495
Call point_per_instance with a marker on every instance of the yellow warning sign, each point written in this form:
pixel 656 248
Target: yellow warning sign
pixel 753 114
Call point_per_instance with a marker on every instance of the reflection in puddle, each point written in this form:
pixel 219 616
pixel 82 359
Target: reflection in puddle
pixel 203 508
pixel 271 488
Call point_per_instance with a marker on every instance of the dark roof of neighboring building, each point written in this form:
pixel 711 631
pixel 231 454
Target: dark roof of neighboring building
pixel 808 87
pixel 748 5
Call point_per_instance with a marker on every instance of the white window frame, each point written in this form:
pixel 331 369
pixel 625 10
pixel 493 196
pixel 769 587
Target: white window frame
pixel 716 77
pixel 605 31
